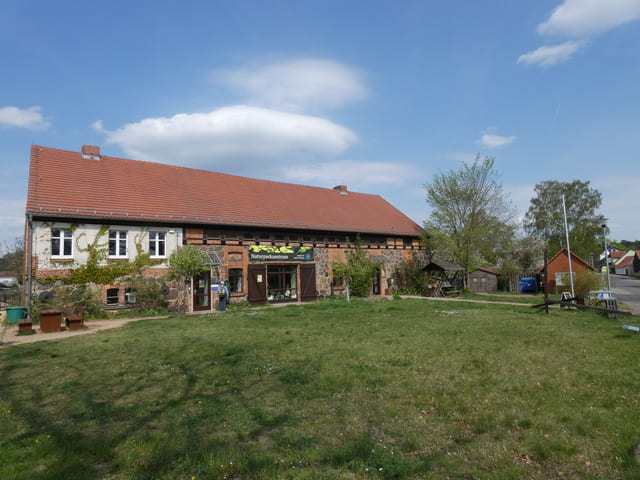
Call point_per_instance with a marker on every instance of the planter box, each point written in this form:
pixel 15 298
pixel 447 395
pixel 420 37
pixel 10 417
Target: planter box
pixel 25 326
pixel 75 322
pixel 51 320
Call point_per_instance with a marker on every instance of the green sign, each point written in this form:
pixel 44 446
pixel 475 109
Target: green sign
pixel 270 253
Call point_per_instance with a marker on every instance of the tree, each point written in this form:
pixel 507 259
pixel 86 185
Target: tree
pixel 471 221
pixel 187 262
pixel 545 216
pixel 12 258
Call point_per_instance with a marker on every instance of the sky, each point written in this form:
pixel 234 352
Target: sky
pixel 376 95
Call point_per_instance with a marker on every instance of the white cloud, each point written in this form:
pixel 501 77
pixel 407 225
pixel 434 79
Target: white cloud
pixel 31 118
pixel 582 18
pixel 493 141
pixel 296 85
pixel 358 175
pixel 209 140
pixel 548 56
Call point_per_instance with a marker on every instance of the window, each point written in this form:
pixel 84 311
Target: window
pixel 117 243
pixel 282 283
pixel 61 243
pixel 157 244
pixel 113 296
pixel 235 280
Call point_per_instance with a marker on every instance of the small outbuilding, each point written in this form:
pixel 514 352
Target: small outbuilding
pixel 558 269
pixel 483 280
pixel 444 278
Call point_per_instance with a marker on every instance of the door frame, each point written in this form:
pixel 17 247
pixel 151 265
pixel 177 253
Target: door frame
pixel 207 276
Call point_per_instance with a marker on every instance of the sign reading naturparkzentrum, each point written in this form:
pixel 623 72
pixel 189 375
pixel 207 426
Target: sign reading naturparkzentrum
pixel 271 253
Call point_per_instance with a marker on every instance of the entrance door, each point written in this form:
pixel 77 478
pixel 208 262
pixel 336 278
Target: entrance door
pixel 308 282
pixel 257 281
pixel 202 291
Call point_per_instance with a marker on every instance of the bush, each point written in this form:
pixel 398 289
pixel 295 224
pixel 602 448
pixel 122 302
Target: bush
pixel 410 279
pixel 149 293
pixel 586 282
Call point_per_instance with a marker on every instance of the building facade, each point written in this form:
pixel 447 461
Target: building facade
pixel 272 241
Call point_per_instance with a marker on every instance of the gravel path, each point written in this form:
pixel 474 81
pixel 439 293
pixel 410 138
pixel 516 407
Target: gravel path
pixel 9 335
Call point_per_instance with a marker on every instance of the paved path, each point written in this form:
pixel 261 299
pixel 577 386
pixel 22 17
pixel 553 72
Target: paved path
pixel 9 332
pixel 628 291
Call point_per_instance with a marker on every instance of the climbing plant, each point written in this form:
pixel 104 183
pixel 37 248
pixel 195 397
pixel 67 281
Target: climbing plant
pixel 97 269
pixel 359 270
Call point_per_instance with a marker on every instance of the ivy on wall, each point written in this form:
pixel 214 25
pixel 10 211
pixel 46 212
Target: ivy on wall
pixel 98 269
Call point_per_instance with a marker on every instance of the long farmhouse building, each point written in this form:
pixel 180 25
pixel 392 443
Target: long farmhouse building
pixel 274 242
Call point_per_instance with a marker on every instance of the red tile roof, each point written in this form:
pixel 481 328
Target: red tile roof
pixel 72 184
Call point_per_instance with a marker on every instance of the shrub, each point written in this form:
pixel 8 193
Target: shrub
pixel 586 282
pixel 149 293
pixel 410 279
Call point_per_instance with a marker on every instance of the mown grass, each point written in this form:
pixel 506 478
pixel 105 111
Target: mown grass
pixel 366 390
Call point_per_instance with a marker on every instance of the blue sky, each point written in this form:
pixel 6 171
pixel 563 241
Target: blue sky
pixel 377 95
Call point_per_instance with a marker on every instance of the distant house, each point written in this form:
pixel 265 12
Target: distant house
pixel 558 269
pixel 483 280
pixel 626 264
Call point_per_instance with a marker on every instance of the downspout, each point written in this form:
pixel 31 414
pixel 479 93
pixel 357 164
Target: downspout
pixel 29 262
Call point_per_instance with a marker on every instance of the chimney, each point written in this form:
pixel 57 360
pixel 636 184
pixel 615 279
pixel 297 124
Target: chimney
pixel 91 151
pixel 341 188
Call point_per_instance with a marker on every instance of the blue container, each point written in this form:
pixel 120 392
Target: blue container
pixel 15 314
pixel 528 285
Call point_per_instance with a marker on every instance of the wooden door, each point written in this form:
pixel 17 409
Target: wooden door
pixel 257 283
pixel 308 282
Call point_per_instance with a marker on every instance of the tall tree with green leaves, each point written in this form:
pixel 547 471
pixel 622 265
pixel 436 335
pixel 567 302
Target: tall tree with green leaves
pixel 545 216
pixel 472 218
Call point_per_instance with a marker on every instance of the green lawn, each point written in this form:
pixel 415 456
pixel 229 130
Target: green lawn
pixel 366 390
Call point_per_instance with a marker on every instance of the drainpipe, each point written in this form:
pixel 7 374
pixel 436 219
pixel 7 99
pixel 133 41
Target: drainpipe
pixel 29 252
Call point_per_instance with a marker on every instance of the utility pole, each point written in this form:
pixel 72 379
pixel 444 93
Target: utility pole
pixel 606 255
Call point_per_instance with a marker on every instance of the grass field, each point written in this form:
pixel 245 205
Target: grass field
pixel 332 390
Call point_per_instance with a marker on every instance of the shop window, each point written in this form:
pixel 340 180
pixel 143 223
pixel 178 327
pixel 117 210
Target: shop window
pixel 117 244
pixel 294 238
pixel 282 281
pixel 248 235
pixel 235 280
pixel 61 243
pixel 113 296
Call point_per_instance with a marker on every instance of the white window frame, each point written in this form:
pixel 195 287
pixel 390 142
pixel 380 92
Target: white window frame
pixel 157 239
pixel 64 237
pixel 119 235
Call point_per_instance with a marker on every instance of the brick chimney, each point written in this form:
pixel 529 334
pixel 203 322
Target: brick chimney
pixel 341 188
pixel 91 151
